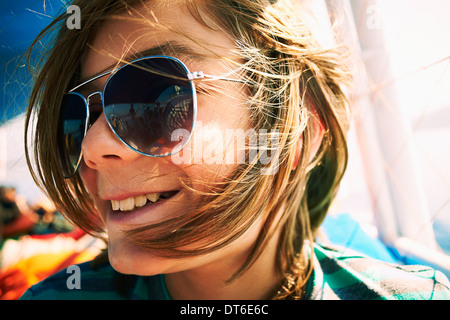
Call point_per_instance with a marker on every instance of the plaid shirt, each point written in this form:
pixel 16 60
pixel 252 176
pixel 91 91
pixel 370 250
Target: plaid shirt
pixel 338 275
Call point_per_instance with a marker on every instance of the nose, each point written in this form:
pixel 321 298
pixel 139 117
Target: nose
pixel 101 148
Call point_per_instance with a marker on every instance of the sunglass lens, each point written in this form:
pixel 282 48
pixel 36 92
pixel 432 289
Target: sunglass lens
pixel 149 105
pixel 71 131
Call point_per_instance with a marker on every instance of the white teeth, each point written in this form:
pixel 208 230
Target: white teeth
pixel 153 197
pixel 127 204
pixel 115 205
pixel 140 201
pixel 132 202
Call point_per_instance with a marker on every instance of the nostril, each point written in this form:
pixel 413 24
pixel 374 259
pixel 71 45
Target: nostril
pixel 90 164
pixel 105 157
pixel 111 156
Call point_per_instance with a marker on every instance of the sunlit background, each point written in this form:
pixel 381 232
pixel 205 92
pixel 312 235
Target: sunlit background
pixel 415 55
pixel 397 187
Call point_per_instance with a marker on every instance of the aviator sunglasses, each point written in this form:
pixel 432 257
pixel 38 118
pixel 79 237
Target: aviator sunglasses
pixel 145 102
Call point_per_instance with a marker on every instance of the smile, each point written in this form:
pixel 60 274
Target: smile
pixel 140 201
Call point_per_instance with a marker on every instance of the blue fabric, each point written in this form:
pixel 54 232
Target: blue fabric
pixel 343 230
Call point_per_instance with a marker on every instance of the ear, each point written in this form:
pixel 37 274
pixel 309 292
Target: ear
pixel 318 130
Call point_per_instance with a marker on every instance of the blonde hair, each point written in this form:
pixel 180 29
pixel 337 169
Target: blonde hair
pixel 291 79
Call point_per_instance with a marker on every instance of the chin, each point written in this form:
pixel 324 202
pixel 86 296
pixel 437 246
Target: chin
pixel 128 259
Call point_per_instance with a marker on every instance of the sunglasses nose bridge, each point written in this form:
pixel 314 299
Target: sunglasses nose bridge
pixel 94 104
pixel 91 97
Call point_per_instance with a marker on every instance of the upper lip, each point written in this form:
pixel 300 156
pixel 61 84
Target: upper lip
pixel 122 196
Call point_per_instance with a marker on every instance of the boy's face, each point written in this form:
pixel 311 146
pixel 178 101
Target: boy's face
pixel 115 175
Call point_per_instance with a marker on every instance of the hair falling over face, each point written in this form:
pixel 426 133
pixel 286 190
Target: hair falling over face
pixel 292 83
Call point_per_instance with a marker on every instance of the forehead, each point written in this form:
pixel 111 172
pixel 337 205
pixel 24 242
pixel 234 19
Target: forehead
pixel 172 32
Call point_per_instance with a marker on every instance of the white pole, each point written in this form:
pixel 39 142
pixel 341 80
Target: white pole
pixel 395 177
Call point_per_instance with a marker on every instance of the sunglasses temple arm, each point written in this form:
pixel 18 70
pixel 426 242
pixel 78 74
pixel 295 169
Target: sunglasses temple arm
pixel 200 75
pixel 192 76
pixel 92 79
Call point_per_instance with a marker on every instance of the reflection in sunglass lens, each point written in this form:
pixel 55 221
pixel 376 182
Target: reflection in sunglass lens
pixel 145 102
pixel 71 130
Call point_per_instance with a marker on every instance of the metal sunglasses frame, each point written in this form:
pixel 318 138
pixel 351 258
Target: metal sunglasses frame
pixel 191 76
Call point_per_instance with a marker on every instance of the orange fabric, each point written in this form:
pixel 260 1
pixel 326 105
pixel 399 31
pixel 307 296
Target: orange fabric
pixel 15 280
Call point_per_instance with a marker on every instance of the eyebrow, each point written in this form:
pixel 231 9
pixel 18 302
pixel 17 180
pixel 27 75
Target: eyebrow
pixel 170 48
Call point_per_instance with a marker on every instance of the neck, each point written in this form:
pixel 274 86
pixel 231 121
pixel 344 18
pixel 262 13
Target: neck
pixel 210 281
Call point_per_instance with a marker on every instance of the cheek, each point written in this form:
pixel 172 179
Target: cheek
pixel 212 154
pixel 87 176
pixel 217 144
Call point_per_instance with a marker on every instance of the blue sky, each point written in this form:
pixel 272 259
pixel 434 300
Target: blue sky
pixel 20 22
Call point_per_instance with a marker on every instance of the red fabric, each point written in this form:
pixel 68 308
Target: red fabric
pixel 74 234
pixel 22 225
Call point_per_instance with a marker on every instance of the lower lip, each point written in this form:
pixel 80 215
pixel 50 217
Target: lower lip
pixel 132 216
